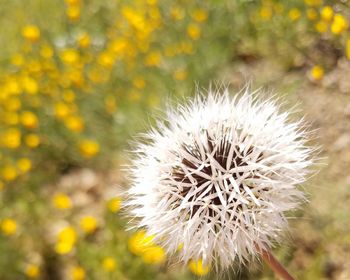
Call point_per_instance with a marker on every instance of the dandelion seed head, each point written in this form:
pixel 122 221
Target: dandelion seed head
pixel 217 175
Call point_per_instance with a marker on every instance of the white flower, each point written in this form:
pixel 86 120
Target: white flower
pixel 217 175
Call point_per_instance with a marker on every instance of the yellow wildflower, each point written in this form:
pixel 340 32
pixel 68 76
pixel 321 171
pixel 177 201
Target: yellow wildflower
pixel 78 273
pixel 265 13
pixel 8 226
pixel 24 165
pixel 17 59
pixel 62 201
pixel 106 60
pixel 46 51
pixel 197 268
pixel 84 41
pixel 31 33
pixel 74 123
pixel 153 255
pixel 61 110
pixel 109 264
pixel 114 204
pixel 327 13
pixel 32 140
pixel 29 120
pixel 321 26
pixel 311 14
pixel 339 24
pixel 66 240
pixel 88 224
pixel 11 138
pixel 200 15
pixel 139 242
pixel 193 31
pixel 73 13
pixel 153 59
pixel 69 96
pixel 89 148
pixel 30 85
pixel 32 271
pixel 69 56
pixel 177 13
pixel 317 72
pixel 9 173
pixel 294 14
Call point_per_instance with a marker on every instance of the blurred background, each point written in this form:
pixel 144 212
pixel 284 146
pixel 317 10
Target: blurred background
pixel 80 78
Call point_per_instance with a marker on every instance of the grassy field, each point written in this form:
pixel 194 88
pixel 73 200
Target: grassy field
pixel 78 79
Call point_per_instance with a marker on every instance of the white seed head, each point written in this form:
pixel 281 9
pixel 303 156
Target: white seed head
pixel 217 175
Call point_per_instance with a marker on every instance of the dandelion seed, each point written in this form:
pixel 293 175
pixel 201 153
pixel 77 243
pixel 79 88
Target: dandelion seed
pixel 217 176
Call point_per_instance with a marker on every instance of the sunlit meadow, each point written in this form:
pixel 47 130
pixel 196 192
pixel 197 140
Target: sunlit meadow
pixel 79 78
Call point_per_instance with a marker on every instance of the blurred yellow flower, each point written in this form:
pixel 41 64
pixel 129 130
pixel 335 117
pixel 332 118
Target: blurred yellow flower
pixel 30 85
pixel 77 273
pixel 327 13
pixel 24 165
pixel 311 14
pixel 193 31
pixel 69 96
pixel 139 242
pixel 88 224
pixel 265 12
pixel 32 140
pixel 197 268
pixel 153 255
pixel 153 59
pixel 31 33
pixel 61 110
pixel 321 26
pixel 294 14
pixel 32 271
pixel 11 138
pixel 114 204
pixel 89 148
pixel 62 201
pixel 177 13
pixel 66 240
pixel 317 72
pixel 106 60
pixel 69 56
pixel 109 264
pixel 200 15
pixel 74 123
pixel 73 13
pixel 8 226
pixel 339 24
pixel 17 59
pixel 84 41
pixel 9 173
pixel 46 51
pixel 72 2
pixel 29 120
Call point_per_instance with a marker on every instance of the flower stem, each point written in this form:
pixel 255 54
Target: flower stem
pixel 275 265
